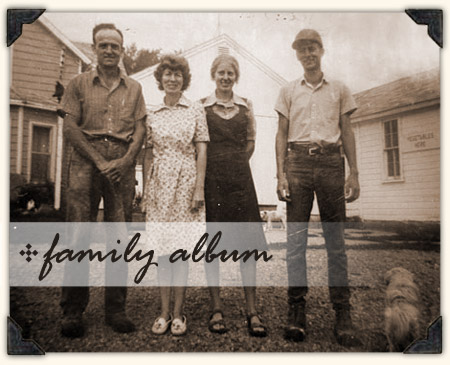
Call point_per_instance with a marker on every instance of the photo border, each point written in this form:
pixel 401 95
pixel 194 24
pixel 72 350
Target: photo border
pixel 231 6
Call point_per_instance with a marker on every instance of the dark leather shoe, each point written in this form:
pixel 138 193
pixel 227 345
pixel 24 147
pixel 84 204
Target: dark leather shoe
pixel 72 325
pixel 294 333
pixel 344 331
pixel 295 329
pixel 119 322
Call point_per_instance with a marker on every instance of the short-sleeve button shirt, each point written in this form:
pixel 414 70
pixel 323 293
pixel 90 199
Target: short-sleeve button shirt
pixel 314 112
pixel 103 111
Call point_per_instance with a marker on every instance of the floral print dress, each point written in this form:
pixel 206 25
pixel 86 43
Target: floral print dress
pixel 172 133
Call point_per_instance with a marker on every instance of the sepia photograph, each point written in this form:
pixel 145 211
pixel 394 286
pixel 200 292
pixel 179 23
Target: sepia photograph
pixel 224 181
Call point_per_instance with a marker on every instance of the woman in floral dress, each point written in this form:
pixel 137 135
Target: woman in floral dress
pixel 174 170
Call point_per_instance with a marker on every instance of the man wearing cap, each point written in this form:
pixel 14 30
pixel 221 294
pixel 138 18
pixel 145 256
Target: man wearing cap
pixel 314 126
pixel 104 122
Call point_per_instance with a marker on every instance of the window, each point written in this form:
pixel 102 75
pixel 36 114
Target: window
pixel 40 154
pixel 391 149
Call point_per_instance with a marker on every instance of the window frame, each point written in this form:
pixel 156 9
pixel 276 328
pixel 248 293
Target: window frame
pixel 385 149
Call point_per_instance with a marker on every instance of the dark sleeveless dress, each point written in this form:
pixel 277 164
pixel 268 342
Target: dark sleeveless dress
pixel 230 194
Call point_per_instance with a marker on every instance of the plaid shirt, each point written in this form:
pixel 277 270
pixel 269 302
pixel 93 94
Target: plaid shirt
pixel 102 111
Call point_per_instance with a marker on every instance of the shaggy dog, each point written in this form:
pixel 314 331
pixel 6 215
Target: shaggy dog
pixel 402 309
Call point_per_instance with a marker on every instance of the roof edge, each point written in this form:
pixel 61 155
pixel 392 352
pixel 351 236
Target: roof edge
pixel 397 110
pixel 212 42
pixel 434 70
pixel 46 22
pixel 256 61
pixel 31 104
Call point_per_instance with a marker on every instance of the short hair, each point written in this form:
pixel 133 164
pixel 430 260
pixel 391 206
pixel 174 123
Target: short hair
pixel 102 26
pixel 225 58
pixel 174 63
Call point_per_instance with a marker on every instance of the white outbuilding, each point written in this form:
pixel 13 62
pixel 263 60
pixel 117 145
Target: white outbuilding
pixel 397 129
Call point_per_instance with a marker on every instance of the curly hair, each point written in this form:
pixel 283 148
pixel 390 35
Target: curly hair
pixel 102 26
pixel 228 59
pixel 173 63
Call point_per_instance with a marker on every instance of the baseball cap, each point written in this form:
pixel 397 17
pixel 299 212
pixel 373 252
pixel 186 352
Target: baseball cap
pixel 307 35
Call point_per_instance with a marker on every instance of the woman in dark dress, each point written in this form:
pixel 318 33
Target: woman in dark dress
pixel 229 190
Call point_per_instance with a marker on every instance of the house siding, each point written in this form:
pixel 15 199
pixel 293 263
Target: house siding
pixel 13 118
pixel 36 62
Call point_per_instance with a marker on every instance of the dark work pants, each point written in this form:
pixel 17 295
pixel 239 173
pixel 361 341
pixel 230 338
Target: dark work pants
pixel 324 175
pixel 86 186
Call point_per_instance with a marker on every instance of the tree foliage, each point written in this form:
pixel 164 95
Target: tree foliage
pixel 136 60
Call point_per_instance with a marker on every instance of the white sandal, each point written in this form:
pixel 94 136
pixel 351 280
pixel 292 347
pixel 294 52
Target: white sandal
pixel 178 327
pixel 161 325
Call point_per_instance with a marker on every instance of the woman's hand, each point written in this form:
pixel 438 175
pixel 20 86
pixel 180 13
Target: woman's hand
pixel 198 199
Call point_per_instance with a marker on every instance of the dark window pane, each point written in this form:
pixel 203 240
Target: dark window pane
pixel 387 128
pixel 390 163
pixel 395 140
pixel 387 133
pixel 394 133
pixel 394 127
pixel 39 167
pixel 396 163
pixel 391 147
pixel 387 141
pixel 40 156
pixel 41 139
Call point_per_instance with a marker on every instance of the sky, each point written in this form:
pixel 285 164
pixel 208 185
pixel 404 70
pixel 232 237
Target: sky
pixel 363 49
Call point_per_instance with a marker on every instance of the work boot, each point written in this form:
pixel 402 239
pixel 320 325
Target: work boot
pixel 119 322
pixel 344 331
pixel 72 325
pixel 295 328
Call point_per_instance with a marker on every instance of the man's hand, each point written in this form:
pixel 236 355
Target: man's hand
pixel 352 187
pixel 114 169
pixel 283 189
pixel 198 199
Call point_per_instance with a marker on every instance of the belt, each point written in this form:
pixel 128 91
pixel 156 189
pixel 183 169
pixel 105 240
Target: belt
pixel 314 149
pixel 106 138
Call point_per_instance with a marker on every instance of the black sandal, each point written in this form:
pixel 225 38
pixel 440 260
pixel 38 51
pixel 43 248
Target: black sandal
pixel 255 328
pixel 217 322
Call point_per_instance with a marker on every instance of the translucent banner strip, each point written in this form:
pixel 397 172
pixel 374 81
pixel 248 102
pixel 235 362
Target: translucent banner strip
pixel 154 254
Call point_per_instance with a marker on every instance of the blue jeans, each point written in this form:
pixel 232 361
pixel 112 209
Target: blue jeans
pixel 86 186
pixel 323 174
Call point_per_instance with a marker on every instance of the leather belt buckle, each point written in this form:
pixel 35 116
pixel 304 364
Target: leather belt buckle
pixel 312 151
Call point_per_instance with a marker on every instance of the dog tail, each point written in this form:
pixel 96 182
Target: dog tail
pixel 401 325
